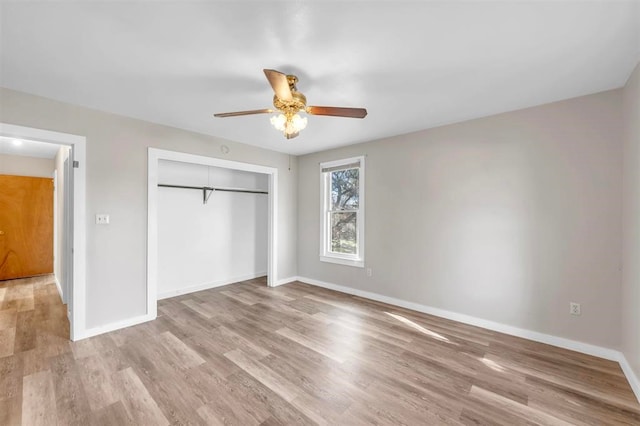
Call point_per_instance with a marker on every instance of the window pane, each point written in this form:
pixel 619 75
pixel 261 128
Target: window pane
pixel 344 189
pixel 344 233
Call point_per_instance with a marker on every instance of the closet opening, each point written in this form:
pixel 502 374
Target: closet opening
pixel 211 223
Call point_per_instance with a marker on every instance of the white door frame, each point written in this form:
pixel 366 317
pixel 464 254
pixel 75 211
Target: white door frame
pixel 155 155
pixel 77 301
pixel 67 237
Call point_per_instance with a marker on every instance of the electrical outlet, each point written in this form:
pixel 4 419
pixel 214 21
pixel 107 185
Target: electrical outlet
pixel 369 272
pixel 574 308
pixel 102 219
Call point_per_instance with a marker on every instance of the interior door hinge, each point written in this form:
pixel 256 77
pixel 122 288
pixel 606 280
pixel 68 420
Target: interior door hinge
pixel 76 164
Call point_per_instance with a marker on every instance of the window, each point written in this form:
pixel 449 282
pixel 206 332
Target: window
pixel 342 190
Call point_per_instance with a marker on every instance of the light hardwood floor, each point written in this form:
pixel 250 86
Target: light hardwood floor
pixel 245 354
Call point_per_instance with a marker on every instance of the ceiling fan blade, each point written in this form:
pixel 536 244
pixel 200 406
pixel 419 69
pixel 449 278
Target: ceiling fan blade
pixel 338 111
pixel 237 113
pixel 279 83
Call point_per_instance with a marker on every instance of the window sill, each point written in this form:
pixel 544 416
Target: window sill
pixel 341 261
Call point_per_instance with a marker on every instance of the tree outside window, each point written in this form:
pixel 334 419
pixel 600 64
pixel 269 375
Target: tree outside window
pixel 344 206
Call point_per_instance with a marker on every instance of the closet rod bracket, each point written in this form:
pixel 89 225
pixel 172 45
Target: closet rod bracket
pixel 205 196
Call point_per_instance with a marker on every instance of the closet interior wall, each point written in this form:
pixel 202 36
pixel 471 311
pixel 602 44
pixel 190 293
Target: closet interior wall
pixel 205 245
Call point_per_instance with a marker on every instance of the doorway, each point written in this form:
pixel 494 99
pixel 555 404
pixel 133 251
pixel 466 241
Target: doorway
pixel 74 233
pixel 154 158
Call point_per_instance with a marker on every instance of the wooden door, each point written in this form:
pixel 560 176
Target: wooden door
pixel 26 226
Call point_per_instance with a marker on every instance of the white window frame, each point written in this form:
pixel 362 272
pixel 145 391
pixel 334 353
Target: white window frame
pixel 326 255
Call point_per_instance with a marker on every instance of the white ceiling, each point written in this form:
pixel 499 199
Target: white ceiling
pixel 413 65
pixel 27 148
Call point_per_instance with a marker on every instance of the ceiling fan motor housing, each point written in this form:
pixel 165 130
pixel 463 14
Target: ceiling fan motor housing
pixel 298 101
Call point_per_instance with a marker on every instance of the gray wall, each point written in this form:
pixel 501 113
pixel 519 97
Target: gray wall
pixel 631 260
pixel 506 218
pixel 117 185
pixel 18 165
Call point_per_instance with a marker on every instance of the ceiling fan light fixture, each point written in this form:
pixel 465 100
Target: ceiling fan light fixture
pixel 298 122
pixel 290 125
pixel 278 121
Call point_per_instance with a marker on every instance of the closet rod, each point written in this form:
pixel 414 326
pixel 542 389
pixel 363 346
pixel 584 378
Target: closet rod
pixel 209 188
pixel 204 189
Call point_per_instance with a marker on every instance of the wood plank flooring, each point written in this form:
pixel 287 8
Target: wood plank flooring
pixel 246 354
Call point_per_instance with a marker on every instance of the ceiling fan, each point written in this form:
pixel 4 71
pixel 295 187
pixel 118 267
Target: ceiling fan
pixel 289 102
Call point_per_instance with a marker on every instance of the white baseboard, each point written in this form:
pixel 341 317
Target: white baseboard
pixel 144 318
pixel 206 286
pixel 630 374
pixel 479 322
pixel 114 326
pixel 561 342
pixel 285 281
